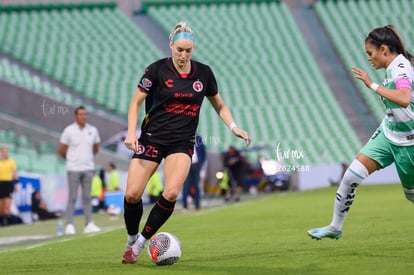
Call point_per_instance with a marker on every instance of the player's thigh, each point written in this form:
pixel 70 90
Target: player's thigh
pixel 139 172
pixel 6 189
pixel 404 162
pixel 176 168
pixel 377 152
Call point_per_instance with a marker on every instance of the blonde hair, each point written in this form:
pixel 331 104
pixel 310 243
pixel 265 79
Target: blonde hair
pixel 180 27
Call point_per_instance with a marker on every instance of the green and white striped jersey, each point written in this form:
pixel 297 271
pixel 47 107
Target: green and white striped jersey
pixel 398 123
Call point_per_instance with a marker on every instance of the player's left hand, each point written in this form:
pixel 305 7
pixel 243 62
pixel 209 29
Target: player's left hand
pixel 362 75
pixel 242 134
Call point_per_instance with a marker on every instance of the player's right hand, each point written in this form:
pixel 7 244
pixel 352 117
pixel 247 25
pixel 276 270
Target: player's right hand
pixel 242 134
pixel 131 142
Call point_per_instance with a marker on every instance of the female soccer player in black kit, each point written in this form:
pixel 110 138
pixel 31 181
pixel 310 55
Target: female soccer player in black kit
pixel 173 89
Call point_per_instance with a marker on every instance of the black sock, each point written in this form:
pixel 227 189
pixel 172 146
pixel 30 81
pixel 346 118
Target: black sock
pixel 159 214
pixel 132 216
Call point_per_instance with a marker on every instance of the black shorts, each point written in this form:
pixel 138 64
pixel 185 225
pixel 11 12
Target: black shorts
pixel 6 189
pixel 156 152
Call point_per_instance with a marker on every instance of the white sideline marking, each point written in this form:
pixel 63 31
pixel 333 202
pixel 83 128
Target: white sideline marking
pixel 51 239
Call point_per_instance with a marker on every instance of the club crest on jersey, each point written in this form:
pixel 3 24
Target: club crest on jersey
pixel 146 83
pixel 141 149
pixel 198 86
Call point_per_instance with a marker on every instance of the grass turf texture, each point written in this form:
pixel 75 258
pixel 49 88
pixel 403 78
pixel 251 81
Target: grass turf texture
pixel 266 235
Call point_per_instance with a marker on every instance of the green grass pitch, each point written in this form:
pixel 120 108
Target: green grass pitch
pixel 266 235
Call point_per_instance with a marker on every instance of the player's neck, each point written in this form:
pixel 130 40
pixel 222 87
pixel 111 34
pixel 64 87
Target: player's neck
pixel 185 69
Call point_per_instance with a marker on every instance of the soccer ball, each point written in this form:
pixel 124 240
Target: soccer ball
pixel 164 248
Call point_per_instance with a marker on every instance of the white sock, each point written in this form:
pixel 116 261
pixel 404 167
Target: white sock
pixel 139 244
pixel 132 238
pixel 141 239
pixel 345 195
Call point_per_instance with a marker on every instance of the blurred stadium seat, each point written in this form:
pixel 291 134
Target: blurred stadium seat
pixel 29 159
pixel 95 51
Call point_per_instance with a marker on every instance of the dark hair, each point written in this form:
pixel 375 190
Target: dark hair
pixel 112 165
pixel 390 37
pixel 81 107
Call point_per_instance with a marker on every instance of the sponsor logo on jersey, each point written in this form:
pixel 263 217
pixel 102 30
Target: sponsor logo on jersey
pixel 141 149
pixel 178 95
pixel 146 83
pixel 169 83
pixel 198 86
pixel 401 65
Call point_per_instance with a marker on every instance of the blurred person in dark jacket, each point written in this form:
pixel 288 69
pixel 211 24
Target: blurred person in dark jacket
pixel 192 183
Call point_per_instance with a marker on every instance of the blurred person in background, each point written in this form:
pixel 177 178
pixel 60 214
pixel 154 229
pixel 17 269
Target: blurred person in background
pixel 114 180
pixel 192 183
pixel 96 192
pixel 39 208
pixel 234 162
pixel 102 176
pixel 155 187
pixel 8 175
pixel 79 143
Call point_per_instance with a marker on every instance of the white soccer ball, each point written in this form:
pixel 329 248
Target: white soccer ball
pixel 164 248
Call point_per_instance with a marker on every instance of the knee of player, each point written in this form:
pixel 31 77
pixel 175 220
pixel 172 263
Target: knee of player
pixel 132 197
pixel 171 195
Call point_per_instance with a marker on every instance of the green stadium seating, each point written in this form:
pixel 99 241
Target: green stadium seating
pixel 21 77
pixel 348 29
pixel 270 79
pixel 98 52
pixel 42 160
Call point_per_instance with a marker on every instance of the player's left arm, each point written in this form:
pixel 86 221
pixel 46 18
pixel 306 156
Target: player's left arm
pixel 15 176
pixel 401 95
pixel 95 148
pixel 224 113
pixel 63 149
pixel 96 142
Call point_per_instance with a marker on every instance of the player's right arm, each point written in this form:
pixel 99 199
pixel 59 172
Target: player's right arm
pixel 131 141
pixel 63 148
pixel 63 144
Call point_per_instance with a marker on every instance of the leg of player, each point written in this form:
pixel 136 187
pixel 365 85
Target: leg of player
pixel 73 183
pixel 139 173
pixel 176 167
pixel 360 168
pixel 86 184
pixel 405 170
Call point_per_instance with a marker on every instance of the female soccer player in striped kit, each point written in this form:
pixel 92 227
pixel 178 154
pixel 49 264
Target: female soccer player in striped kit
pixel 173 90
pixel 393 141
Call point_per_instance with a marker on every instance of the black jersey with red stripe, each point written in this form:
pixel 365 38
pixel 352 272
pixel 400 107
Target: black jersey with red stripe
pixel 173 102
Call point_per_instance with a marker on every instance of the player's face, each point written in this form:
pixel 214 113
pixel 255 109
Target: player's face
pixel 182 50
pixel 81 117
pixel 4 152
pixel 375 55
